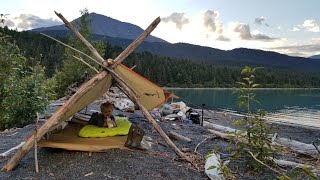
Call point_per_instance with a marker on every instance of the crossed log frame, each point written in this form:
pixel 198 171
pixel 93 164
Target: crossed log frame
pixel 57 117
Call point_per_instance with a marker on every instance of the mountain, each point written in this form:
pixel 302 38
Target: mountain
pixel 315 57
pixel 122 34
pixel 106 26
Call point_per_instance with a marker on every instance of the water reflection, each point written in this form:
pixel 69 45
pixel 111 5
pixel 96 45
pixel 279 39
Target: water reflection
pixel 292 105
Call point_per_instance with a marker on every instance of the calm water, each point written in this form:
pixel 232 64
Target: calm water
pixel 291 105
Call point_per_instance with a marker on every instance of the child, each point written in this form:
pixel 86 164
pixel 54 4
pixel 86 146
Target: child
pixel 105 119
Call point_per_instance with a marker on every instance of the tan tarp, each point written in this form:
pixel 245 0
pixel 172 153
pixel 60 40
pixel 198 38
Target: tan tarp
pixel 93 94
pixel 149 94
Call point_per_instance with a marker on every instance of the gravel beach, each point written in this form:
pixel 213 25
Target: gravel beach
pixel 158 163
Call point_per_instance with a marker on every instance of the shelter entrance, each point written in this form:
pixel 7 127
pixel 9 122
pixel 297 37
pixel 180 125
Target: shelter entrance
pixel 68 139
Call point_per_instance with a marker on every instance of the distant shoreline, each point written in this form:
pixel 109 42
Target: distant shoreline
pixel 237 88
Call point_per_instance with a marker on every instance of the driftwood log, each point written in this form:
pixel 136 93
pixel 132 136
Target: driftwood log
pixel 285 163
pixel 295 146
pixel 5 154
pixel 178 136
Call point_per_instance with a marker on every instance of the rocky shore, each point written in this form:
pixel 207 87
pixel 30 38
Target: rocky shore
pixel 158 163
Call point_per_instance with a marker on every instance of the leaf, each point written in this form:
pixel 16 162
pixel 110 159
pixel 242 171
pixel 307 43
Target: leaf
pixel 242 84
pixel 245 70
pixel 229 148
pixel 242 104
pixel 238 123
pixel 212 167
pixel 256 85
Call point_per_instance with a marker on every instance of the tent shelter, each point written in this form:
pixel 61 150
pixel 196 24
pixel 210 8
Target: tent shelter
pixel 144 94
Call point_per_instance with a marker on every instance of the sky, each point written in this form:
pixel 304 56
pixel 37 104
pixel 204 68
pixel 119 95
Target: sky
pixel 291 27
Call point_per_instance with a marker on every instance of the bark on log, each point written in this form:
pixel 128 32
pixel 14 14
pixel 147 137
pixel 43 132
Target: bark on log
pixel 220 134
pixel 177 136
pixel 285 163
pixel 296 146
pixel 218 127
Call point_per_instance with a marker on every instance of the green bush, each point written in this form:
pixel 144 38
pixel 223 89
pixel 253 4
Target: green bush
pixel 23 90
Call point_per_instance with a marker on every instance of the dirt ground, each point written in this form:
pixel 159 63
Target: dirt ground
pixel 158 163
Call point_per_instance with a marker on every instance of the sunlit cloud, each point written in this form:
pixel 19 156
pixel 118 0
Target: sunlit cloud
pixel 311 25
pixel 179 19
pixel 244 33
pixel 29 21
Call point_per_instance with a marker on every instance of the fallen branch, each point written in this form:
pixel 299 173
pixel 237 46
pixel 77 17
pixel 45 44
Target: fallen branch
pixel 5 154
pixel 220 128
pixel 317 148
pixel 299 147
pixel 255 158
pixel 177 136
pixel 285 163
pixel 195 149
pixel 12 134
pixel 221 134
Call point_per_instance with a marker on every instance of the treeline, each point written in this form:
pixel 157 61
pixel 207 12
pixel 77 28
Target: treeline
pixel 165 71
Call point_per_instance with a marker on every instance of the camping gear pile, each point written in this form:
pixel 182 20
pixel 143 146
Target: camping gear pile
pixel 174 111
pixel 119 100
pixel 179 111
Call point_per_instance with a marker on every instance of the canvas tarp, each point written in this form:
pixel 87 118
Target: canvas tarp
pixel 149 94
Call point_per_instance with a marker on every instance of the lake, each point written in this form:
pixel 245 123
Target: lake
pixel 301 106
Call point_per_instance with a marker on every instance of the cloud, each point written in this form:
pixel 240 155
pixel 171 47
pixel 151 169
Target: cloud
pixel 211 22
pixel 223 38
pixel 311 25
pixel 261 21
pixel 29 21
pixel 305 50
pixel 294 29
pixel 178 18
pixel 213 25
pixel 245 33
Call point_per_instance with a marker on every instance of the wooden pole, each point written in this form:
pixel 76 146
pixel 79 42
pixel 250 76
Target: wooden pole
pixel 72 28
pixel 72 48
pixel 87 64
pixel 136 42
pixel 122 83
pixel 35 146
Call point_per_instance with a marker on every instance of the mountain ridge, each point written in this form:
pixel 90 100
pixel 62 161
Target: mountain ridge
pixel 100 25
pixel 154 45
pixel 315 57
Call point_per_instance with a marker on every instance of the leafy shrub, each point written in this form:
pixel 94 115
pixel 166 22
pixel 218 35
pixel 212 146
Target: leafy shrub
pixel 23 91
